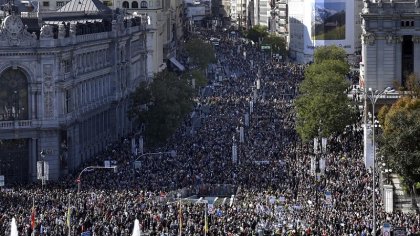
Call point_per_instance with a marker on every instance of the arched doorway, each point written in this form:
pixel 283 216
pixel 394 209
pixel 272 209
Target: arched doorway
pixel 14 153
pixel 13 95
pixel 125 4
pixel 135 5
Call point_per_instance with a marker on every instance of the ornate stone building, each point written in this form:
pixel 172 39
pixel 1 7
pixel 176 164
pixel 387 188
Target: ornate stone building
pixel 65 78
pixel 390 42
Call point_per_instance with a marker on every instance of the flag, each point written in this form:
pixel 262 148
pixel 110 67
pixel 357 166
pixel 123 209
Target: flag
pixel 180 218
pixel 206 223
pixel 33 218
pixel 68 217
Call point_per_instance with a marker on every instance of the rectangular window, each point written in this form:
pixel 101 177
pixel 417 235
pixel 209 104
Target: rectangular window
pixel 67 65
pixel 60 4
pixel 68 104
pixel 108 3
pixel 45 4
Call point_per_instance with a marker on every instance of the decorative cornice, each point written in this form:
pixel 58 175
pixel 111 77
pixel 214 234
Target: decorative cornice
pixel 368 38
pixel 416 39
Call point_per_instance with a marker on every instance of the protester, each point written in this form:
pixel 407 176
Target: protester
pixel 275 191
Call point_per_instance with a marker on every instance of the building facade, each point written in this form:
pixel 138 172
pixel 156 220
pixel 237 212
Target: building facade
pixel 280 23
pixel 391 43
pixel 64 88
pixel 317 23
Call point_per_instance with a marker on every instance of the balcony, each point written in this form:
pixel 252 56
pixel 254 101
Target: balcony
pixel 15 124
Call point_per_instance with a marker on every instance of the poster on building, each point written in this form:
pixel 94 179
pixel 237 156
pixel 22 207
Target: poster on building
pixel 329 20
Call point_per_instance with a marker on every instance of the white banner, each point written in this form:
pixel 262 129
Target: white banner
pixel 234 153
pixel 46 170
pixel 39 173
pixel 246 119
pixel 251 107
pixel 324 145
pixel 322 165
pixel 141 145
pixel 133 146
pixel 313 166
pixel 107 164
pixel 315 145
pixel 241 134
pixel 210 208
pixel 328 198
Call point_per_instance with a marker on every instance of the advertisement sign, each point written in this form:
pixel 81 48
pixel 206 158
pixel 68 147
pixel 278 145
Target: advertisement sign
pixel 329 22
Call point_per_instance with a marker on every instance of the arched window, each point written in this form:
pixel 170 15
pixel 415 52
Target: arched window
pixel 13 95
pixel 126 4
pixel 135 5
pixel 143 4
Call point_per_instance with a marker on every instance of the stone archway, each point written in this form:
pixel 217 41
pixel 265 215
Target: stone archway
pixel 14 95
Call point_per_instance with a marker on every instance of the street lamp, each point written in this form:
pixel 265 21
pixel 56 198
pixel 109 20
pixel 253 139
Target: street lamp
pixel 387 172
pixel 373 96
pixel 89 168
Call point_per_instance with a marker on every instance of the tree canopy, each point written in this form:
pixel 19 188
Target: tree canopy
pixel 256 33
pixel 329 53
pixel 401 138
pixel 161 106
pixel 200 52
pixel 198 75
pixel 322 108
pixel 278 44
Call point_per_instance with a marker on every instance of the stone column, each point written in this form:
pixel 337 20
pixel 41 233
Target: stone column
pixel 369 59
pixel 416 41
pixel 398 58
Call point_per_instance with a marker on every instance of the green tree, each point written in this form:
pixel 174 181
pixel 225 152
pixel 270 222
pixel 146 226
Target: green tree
pixel 340 67
pixel 161 106
pixel 256 33
pixel 200 52
pixel 278 44
pixel 329 53
pixel 323 108
pixel 401 139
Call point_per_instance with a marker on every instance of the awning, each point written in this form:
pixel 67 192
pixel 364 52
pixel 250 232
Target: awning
pixel 176 63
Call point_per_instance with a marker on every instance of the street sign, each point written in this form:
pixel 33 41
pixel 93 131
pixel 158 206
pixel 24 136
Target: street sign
pixel 1 180
pixel 265 47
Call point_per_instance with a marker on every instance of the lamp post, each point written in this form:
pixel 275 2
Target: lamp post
pixel 89 168
pixel 387 172
pixel 373 96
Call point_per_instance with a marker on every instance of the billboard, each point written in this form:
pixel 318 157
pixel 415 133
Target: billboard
pixel 329 22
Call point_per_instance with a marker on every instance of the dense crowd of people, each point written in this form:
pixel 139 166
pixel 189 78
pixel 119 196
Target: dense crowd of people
pixel 275 192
